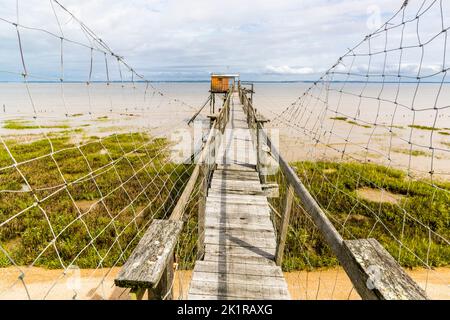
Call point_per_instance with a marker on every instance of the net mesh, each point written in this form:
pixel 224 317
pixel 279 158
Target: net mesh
pixel 90 153
pixel 369 139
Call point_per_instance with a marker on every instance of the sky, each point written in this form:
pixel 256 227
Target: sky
pixel 282 40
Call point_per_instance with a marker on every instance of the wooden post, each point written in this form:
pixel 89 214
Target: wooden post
pixel 258 148
pixel 284 225
pixel 137 293
pixel 164 288
pixel 259 126
pixel 201 210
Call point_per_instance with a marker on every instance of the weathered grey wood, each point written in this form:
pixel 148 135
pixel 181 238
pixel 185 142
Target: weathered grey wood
pixel 237 224
pixel 163 290
pixel 240 232
pixel 247 220
pixel 239 236
pixel 268 253
pixel 237 212
pixel 238 290
pixel 243 183
pixel 236 167
pixel 382 277
pixel 230 241
pixel 284 225
pixel 231 258
pixel 239 227
pixel 271 190
pixel 238 268
pixel 226 278
pixel 233 198
pixel 148 261
pixel 236 175
pixel 238 190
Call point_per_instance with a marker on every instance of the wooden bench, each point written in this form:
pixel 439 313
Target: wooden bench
pixel 150 265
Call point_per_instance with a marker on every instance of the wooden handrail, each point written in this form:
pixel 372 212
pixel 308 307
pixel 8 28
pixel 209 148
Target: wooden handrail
pixel 358 257
pixel 178 211
pixel 150 265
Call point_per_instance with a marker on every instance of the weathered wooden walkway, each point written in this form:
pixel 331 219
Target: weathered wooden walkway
pixel 239 253
pixel 239 240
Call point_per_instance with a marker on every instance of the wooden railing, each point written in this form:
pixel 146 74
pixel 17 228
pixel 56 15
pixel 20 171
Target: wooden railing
pixel 150 265
pixel 357 257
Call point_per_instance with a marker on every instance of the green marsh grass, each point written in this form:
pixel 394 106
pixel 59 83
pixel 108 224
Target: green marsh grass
pixel 23 125
pixel 345 119
pixel 423 127
pixel 88 238
pixel 306 249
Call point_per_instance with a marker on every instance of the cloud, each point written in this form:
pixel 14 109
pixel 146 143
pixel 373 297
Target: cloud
pixel 287 70
pixel 163 38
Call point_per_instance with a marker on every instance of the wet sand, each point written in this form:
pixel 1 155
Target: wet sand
pixel 330 284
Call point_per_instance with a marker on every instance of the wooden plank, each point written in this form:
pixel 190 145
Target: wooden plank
pixel 265 221
pixel 244 215
pixel 231 258
pixel 236 183
pixel 146 264
pixel 237 290
pixel 225 241
pixel 237 167
pixel 267 238
pixel 222 277
pixel 268 253
pixel 238 191
pixel 238 226
pixel 235 175
pixel 242 231
pixel 263 206
pixel 237 212
pixel 232 198
pixel 238 268
pixel 384 278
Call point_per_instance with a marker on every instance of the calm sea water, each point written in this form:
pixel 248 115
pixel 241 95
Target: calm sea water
pixel 101 109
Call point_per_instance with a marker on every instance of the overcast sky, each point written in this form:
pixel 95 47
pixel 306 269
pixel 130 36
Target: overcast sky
pixel 179 39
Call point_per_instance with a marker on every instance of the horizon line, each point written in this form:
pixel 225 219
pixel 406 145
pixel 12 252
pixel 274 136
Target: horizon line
pixel 208 80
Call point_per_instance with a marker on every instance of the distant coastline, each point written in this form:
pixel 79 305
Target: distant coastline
pixel 243 81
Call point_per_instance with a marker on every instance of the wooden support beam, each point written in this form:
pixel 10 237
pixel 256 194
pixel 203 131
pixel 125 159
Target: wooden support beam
pixel 284 225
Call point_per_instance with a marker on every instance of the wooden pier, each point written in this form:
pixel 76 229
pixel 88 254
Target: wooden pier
pixel 239 254
pixel 239 239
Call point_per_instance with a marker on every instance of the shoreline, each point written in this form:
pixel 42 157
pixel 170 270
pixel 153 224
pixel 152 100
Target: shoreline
pixel 321 284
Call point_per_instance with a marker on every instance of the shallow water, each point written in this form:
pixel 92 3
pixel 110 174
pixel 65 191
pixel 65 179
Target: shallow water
pixel 100 110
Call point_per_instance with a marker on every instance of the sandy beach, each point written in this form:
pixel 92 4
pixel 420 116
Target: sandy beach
pixel 329 284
